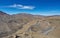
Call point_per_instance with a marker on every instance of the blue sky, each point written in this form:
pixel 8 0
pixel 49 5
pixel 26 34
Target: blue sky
pixel 40 7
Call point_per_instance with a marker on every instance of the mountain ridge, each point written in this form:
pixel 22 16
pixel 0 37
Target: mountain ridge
pixel 43 26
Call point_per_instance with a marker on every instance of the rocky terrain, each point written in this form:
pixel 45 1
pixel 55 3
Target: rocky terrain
pixel 29 26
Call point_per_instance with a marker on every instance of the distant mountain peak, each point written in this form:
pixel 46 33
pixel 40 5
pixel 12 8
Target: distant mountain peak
pixel 3 13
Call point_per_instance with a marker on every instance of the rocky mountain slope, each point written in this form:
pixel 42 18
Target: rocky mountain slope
pixel 29 26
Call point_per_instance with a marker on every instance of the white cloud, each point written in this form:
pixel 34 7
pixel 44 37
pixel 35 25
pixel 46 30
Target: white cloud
pixel 19 6
pixel 28 7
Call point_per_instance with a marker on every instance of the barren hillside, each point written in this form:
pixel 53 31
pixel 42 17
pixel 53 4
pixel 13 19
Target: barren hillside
pixel 29 26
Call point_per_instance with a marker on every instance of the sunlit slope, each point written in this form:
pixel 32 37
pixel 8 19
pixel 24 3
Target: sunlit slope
pixel 37 29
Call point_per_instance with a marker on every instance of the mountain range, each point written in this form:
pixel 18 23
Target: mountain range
pixel 29 26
